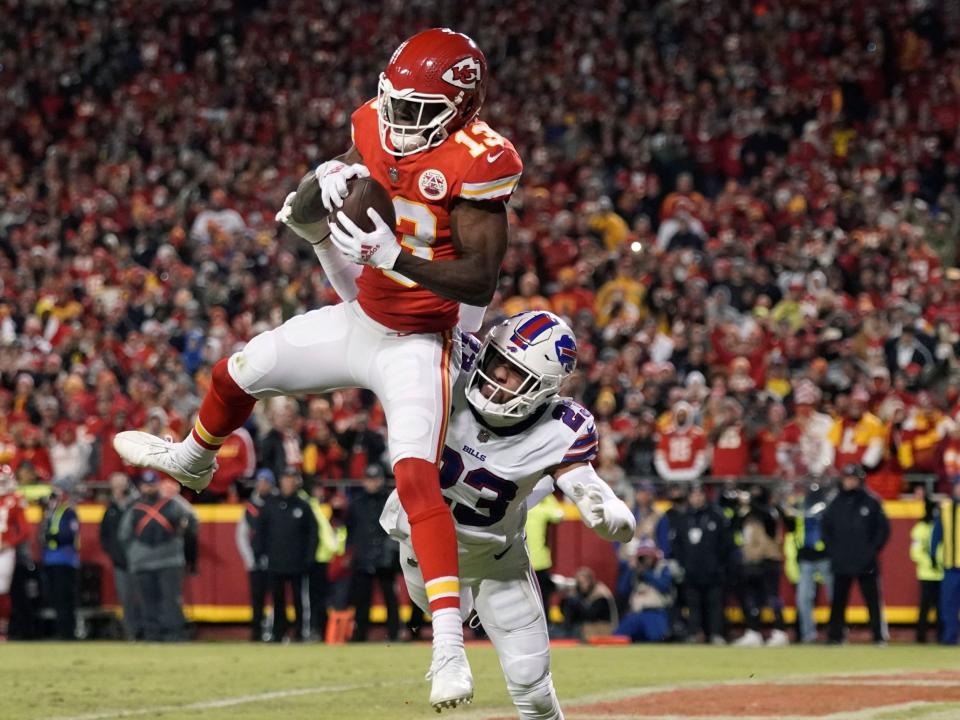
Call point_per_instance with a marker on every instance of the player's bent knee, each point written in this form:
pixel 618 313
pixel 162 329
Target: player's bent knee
pixel 537 700
pixel 418 486
pixel 225 385
pixel 250 366
pixel 526 671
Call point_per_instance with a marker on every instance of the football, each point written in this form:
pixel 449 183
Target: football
pixel 364 193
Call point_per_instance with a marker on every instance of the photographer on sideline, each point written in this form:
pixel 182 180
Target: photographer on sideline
pixel 587 605
pixel 648 615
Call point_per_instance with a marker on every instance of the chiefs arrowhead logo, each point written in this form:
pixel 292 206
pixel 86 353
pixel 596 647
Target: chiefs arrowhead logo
pixel 464 74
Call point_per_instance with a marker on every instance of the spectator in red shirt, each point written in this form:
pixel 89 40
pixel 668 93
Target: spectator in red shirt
pixel 105 460
pixel 729 442
pixel 777 442
pixel 323 458
pixel 31 450
pixel 571 298
pixel 682 447
pixel 236 463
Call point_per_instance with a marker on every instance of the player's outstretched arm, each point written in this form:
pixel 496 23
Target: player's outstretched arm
pixel 479 234
pixel 600 509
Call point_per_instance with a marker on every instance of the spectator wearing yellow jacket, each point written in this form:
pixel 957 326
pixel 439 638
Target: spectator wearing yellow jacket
pixel 327 548
pixel 929 568
pixel 612 228
pixel 921 434
pixel 539 518
pixel 858 437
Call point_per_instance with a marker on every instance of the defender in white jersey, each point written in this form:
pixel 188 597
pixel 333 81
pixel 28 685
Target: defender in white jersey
pixel 509 431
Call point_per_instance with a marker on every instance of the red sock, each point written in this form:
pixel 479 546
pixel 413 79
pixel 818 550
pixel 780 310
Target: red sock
pixel 4 614
pixel 225 407
pixel 431 530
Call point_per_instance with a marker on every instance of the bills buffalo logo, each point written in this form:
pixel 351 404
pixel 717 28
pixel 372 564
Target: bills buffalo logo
pixel 567 352
pixel 529 330
pixel 433 184
pixel 464 74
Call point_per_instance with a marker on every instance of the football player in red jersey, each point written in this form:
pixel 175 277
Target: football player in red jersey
pixel 449 176
pixel 13 531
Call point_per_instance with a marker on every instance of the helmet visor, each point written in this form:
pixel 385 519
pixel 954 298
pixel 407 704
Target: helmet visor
pixel 501 388
pixel 411 121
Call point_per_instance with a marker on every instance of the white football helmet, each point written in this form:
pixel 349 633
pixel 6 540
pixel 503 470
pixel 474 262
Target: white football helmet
pixel 539 345
pixel 8 481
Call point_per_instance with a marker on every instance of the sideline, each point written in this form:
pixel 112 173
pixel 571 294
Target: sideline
pixel 225 702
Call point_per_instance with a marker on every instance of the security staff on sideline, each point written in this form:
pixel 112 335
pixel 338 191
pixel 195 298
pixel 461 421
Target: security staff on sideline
pixel 246 538
pixel 153 531
pixel 929 566
pixel 804 546
pixel 288 537
pixel 60 533
pixel 375 556
pixel 703 547
pixel 319 579
pixel 855 529
pixel 123 496
pixel 945 543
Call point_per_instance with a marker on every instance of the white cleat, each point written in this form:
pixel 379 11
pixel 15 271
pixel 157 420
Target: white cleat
pixel 778 638
pixel 751 638
pixel 452 679
pixel 148 451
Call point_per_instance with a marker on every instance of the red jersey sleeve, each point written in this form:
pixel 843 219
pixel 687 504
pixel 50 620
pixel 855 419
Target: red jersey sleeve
pixel 364 130
pixel 494 169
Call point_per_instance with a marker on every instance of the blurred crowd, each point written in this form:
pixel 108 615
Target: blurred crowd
pixel 735 204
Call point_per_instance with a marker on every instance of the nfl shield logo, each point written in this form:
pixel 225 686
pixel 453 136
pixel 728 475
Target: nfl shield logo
pixel 394 175
pixel 483 436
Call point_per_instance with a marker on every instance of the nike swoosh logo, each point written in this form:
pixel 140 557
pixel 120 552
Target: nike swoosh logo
pixel 497 556
pixel 493 158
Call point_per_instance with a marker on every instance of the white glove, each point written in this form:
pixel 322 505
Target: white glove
pixel 608 516
pixel 332 176
pixel 314 233
pixel 378 248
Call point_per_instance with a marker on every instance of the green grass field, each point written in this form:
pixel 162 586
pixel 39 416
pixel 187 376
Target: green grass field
pixel 97 681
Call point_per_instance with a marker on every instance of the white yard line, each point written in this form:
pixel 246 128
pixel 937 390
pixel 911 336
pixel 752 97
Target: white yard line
pixel 578 716
pixel 887 712
pixel 874 682
pixel 224 702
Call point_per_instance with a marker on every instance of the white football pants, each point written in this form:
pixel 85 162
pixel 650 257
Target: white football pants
pixel 512 615
pixel 339 346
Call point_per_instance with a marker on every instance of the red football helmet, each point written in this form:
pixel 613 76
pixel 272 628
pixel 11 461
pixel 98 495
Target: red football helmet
pixel 433 85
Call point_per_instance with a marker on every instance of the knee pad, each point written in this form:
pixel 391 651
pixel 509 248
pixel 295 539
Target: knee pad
pixel 526 671
pixel 536 700
pixel 247 368
pixel 418 486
